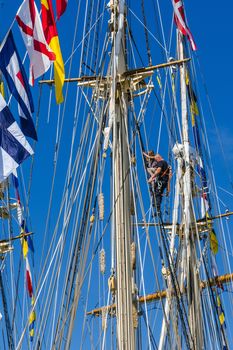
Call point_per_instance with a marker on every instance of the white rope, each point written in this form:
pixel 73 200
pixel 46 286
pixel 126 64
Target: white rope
pixel 84 36
pixel 138 241
pixel 39 292
pixel 158 42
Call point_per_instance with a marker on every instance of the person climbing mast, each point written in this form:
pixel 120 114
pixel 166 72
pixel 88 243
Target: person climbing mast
pixel 160 177
pixel 151 163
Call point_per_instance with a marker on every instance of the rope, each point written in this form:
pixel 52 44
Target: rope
pixel 180 304
pixel 215 124
pixel 146 34
pixel 138 191
pixel 158 42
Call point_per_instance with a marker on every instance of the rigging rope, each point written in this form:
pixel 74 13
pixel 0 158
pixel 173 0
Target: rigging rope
pixel 146 33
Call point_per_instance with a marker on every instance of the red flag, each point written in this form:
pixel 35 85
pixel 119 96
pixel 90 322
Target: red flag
pixel 29 278
pixel 61 7
pixel 181 22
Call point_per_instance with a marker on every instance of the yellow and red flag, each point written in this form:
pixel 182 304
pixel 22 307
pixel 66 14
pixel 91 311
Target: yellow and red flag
pixel 51 36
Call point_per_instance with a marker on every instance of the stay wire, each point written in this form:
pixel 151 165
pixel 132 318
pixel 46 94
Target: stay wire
pixel 86 208
pixel 146 34
pixel 79 167
pixel 215 123
pixel 83 158
pixel 180 303
pixel 27 215
pixel 161 105
pixel 153 342
pixel 148 238
pixel 56 149
pixel 210 163
pixel 72 199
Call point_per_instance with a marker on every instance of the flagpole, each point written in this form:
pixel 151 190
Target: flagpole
pixel 189 278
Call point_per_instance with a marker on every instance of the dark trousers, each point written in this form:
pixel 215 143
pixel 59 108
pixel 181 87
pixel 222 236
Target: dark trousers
pixel 157 189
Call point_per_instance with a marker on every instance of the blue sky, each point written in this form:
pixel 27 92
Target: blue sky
pixel 211 26
pixel 212 30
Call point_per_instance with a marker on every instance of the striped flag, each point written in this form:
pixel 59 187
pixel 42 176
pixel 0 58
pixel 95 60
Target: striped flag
pixel 180 21
pixel 32 319
pixel 50 32
pixel 29 278
pixel 61 7
pixel 39 52
pixel 14 73
pixel 14 148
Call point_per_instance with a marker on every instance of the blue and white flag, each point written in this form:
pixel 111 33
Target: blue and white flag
pixel 14 148
pixel 14 73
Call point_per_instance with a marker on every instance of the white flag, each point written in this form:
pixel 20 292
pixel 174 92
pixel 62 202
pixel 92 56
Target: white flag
pixel 40 54
pixel 181 22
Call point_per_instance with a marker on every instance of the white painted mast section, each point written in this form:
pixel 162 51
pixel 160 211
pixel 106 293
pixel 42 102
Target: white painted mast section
pixel 187 175
pixel 189 273
pixel 168 303
pixel 121 190
pixel 188 278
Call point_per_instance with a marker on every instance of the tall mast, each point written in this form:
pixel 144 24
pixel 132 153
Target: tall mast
pixel 121 187
pixel 189 273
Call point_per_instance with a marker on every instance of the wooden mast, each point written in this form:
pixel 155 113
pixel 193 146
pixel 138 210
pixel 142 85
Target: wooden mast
pixel 121 187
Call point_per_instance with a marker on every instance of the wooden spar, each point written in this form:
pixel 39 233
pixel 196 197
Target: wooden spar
pixel 75 80
pixel 216 217
pixel 126 74
pixel 22 235
pixel 200 221
pixel 216 281
pixel 158 66
pixel 163 294
pixel 5 244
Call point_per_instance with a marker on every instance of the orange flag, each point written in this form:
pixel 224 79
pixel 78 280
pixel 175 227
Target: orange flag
pixel 51 36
